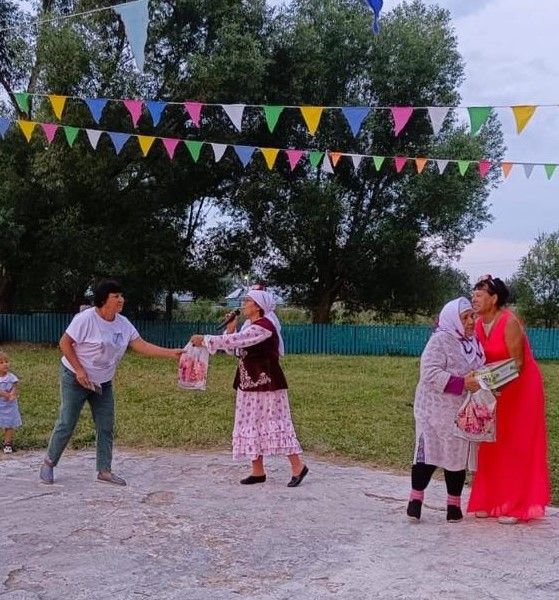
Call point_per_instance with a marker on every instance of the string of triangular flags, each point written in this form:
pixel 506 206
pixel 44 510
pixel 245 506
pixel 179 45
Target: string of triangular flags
pixel 134 16
pixel 355 115
pixel 329 158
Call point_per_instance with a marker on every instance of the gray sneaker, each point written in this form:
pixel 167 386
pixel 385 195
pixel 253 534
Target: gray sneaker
pixel 109 477
pixel 46 473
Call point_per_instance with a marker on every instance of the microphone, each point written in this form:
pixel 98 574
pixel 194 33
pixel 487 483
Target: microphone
pixel 230 317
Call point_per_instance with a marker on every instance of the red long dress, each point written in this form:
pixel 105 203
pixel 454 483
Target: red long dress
pixel 512 477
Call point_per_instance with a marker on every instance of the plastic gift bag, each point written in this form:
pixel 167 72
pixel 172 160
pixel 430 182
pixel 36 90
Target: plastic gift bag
pixel 193 368
pixel 475 420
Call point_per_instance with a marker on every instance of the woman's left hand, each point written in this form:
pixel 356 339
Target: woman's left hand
pixel 197 340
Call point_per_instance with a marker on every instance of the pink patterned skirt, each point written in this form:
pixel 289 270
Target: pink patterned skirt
pixel 263 425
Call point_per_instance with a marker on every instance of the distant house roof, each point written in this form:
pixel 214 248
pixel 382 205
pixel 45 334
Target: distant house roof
pixel 186 297
pixel 237 293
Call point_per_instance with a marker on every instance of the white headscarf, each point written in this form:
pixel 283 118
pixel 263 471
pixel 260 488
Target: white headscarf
pixel 449 321
pixel 266 302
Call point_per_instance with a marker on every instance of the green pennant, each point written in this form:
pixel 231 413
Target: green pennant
pixel 549 170
pixel 315 157
pixel 463 166
pixel 71 134
pixel 478 116
pixel 22 99
pixel 272 115
pixel 378 160
pixel 194 148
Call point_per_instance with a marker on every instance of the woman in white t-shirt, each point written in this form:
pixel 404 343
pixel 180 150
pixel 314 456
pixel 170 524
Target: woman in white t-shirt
pixel 92 347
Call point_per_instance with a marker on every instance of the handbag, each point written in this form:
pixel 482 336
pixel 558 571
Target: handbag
pixel 475 420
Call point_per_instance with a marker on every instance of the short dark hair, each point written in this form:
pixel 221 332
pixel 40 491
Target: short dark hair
pixel 103 289
pixel 494 286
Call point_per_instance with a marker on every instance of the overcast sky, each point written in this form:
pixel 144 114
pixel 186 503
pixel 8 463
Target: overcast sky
pixel 511 51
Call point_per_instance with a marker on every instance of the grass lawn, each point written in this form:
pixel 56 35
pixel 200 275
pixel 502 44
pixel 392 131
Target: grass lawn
pixel 357 407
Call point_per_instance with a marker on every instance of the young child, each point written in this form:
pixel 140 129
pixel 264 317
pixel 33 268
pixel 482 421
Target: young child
pixel 10 418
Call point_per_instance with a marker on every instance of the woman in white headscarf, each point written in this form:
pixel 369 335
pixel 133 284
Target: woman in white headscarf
pixel 263 425
pixel 446 375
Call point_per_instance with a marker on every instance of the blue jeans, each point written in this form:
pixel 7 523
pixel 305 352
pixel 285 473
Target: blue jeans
pixel 72 399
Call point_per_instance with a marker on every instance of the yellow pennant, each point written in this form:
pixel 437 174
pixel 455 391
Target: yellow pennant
pixel 335 157
pixel 270 155
pixel 312 115
pixel 146 142
pixel 58 103
pixel 27 128
pixel 522 114
pixel 507 167
pixel 420 164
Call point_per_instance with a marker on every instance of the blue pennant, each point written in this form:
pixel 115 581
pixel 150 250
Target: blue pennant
pixel 156 108
pixel 376 7
pixel 4 125
pixel 244 153
pixel 96 106
pixel 355 116
pixel 118 139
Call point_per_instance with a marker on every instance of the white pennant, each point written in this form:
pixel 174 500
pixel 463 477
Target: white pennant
pixel 437 114
pixel 235 113
pixel 326 164
pixel 219 151
pixel 93 136
pixel 356 160
pixel 528 170
pixel 441 164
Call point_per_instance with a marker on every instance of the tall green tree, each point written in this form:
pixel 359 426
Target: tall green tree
pixel 368 238
pixel 537 282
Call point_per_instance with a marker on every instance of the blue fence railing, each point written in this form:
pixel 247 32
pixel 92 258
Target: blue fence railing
pixel 405 340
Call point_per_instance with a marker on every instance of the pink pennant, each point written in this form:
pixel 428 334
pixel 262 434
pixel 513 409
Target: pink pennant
pixel 400 162
pixel 50 131
pixel 194 110
pixel 401 115
pixel 170 145
pixel 294 156
pixel 135 109
pixel 484 166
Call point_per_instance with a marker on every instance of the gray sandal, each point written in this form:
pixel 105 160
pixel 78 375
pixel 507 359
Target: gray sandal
pixel 109 477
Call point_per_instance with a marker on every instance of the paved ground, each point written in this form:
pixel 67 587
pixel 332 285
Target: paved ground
pixel 185 529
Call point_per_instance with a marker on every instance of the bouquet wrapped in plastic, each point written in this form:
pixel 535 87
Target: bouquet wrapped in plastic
pixel 475 420
pixel 193 368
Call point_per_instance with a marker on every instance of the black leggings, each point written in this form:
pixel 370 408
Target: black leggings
pixel 421 476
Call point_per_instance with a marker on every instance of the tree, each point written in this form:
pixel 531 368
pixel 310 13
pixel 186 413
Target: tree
pixel 538 282
pixel 368 239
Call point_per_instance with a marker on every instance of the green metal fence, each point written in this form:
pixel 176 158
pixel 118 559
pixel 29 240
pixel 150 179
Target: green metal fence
pixel 405 340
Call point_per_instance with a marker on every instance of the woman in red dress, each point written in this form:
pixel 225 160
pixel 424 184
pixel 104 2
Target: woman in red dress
pixel 512 481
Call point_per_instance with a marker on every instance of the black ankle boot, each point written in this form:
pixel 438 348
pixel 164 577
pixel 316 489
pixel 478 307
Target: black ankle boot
pixel 453 513
pixel 414 510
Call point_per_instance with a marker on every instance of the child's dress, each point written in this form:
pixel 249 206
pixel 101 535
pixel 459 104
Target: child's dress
pixel 9 410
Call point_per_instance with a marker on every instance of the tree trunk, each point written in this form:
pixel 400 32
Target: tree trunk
pixel 321 312
pixel 168 306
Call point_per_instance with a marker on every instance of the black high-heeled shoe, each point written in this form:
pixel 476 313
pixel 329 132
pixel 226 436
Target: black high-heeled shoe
pixel 253 479
pixel 296 479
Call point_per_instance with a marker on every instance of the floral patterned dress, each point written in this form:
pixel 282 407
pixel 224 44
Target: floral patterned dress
pixel 263 425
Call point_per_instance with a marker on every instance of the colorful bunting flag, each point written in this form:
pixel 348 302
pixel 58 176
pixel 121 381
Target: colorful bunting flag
pixel 93 136
pixel 134 107
pixel 270 156
pixel 355 115
pixel 484 166
pixel 335 157
pixel 376 7
pixel 420 164
pixel 378 160
pixel 170 144
pixel 4 126
pixel 118 140
pixel 194 148
pixel 549 170
pixel 478 116
pixel 315 156
pixel 528 170
pixel 311 116
pixel 155 109
pixel 27 128
pixel 146 142
pixel 235 113
pixel 194 110
pixel 441 165
pixel 401 115
pixel 437 115
pixel 356 160
pixel 50 131
pixel 219 151
pixel 507 168
pixel 400 163
pixel 135 17
pixel 71 134
pixel 294 156
pixel 463 166
pixel 327 165
pixel 22 99
pixel 58 103
pixel 522 114
pixel 244 153
pixel 272 114
pixel 96 107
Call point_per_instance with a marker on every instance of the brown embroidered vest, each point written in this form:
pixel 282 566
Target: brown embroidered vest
pixel 259 369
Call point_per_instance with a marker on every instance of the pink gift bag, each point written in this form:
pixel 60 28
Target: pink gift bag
pixel 193 368
pixel 475 420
